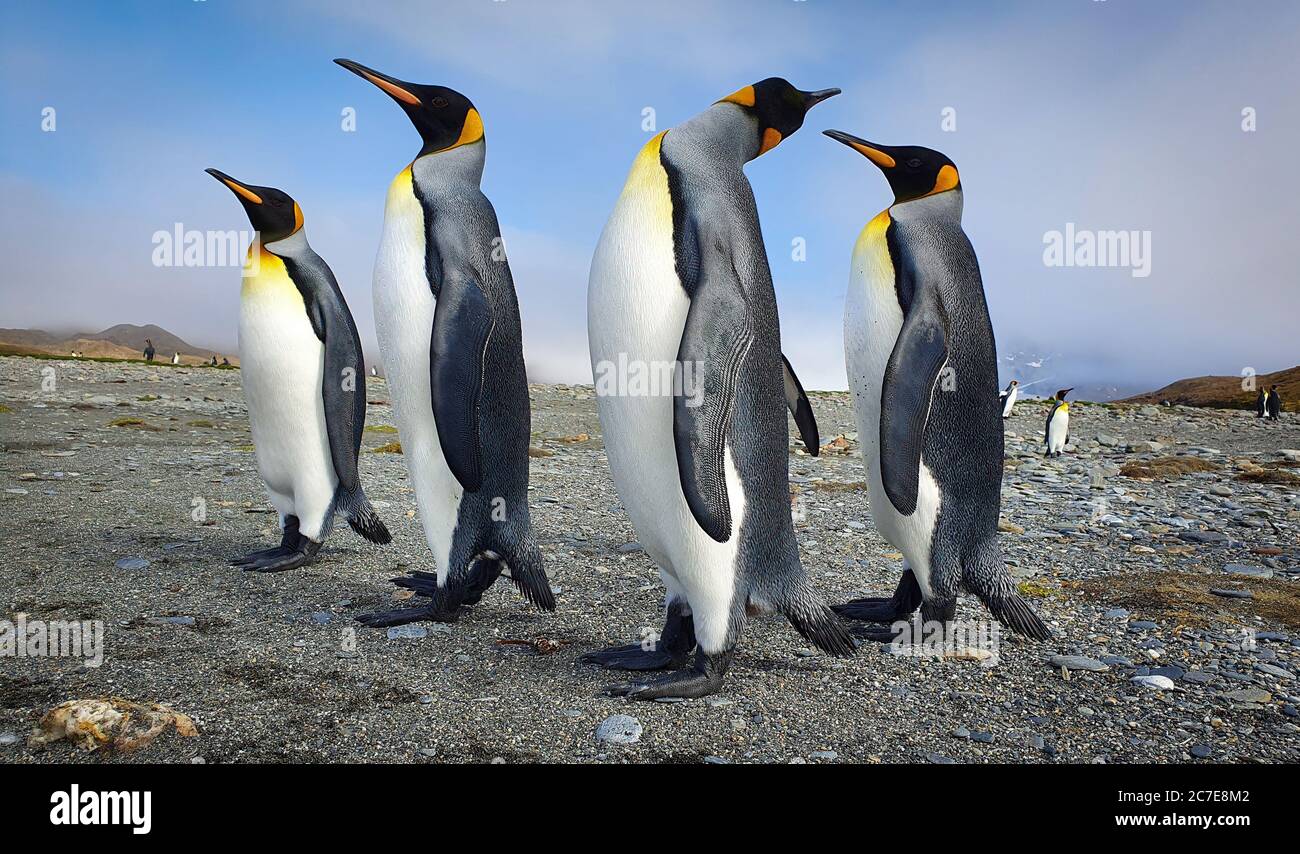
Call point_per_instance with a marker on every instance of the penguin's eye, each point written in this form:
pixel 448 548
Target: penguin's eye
pixel 439 102
pixel 914 163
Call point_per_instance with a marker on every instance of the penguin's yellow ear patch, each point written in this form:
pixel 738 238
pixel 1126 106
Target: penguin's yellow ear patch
pixel 946 179
pixel 472 131
pixel 771 139
pixel 743 97
pixel 297 217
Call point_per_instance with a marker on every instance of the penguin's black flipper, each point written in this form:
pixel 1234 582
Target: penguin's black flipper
pixel 714 345
pixel 801 409
pixel 462 325
pixel 919 355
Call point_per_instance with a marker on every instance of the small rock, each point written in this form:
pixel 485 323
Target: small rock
pixel 629 548
pixel 8 738
pixel 1250 571
pixel 619 729
pixel 940 759
pixel 1077 662
pixel 320 618
pixel 982 737
pixel 1156 683
pixel 828 755
pixel 961 732
pixel 1249 695
pixel 1201 751
pixel 410 630
pixel 132 563
pixel 1232 594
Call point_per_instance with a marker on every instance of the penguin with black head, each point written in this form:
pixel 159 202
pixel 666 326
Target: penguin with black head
pixel 304 383
pixel 921 363
pixel 448 326
pixel 680 277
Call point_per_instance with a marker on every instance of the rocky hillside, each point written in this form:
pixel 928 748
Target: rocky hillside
pixel 123 341
pixel 1226 392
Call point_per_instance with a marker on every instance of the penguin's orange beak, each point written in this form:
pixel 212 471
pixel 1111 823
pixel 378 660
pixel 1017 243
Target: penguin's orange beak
pixel 398 90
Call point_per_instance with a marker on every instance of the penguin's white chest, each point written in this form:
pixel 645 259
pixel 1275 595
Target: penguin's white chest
pixel 873 319
pixel 1010 402
pixel 281 365
pixel 636 311
pixel 404 306
pixel 1058 429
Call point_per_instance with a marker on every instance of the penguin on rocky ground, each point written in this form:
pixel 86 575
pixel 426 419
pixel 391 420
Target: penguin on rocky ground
pixel 1261 403
pixel 176 358
pixel 680 277
pixel 1008 398
pixel 303 382
pixel 921 358
pixel 148 350
pixel 1274 404
pixel 448 325
pixel 1056 435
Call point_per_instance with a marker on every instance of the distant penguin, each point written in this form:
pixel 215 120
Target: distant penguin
pixel 921 359
pixel 213 363
pixel 1008 397
pixel 148 350
pixel 1057 432
pixel 1274 403
pixel 225 363
pixel 448 325
pixel 176 358
pixel 374 372
pixel 1261 403
pixel 303 381
pixel 680 277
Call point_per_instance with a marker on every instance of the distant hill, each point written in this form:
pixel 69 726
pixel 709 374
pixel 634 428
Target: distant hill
pixel 1226 392
pixel 123 341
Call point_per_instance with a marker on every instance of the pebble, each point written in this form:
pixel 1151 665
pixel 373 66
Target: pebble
pixel 828 755
pixel 1232 594
pixel 1251 571
pixel 8 738
pixel 619 729
pixel 1156 683
pixel 320 618
pixel 1077 662
pixel 629 548
pixel 1249 695
pixel 940 759
pixel 982 737
pixel 1201 751
pixel 132 563
pixel 410 630
pixel 961 732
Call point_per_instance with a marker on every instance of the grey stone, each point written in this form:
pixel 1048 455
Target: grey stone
pixel 410 630
pixel 1201 751
pixel 1155 683
pixel 8 738
pixel 619 729
pixel 1232 594
pixel 132 563
pixel 1251 571
pixel 828 755
pixel 321 617
pixel 1248 695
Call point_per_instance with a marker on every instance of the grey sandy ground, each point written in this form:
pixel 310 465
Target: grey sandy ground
pixel 264 666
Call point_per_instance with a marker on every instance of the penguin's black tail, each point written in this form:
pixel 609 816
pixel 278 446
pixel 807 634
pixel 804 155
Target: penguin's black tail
pixel 524 559
pixel 812 618
pixel 986 576
pixel 357 509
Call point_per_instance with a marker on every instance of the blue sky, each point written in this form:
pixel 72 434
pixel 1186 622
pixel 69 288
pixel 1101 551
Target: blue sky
pixel 1110 115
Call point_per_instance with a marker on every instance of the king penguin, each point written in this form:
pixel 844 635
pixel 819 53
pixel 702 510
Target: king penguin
pixel 1008 398
pixel 448 325
pixel 921 360
pixel 680 277
pixel 304 383
pixel 1056 434
pixel 1273 405
pixel 1261 403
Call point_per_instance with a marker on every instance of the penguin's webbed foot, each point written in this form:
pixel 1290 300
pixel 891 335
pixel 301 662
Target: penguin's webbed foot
pixel 402 616
pixel 285 558
pixel 263 554
pixel 873 609
pixel 699 680
pixel 879 609
pixel 633 657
